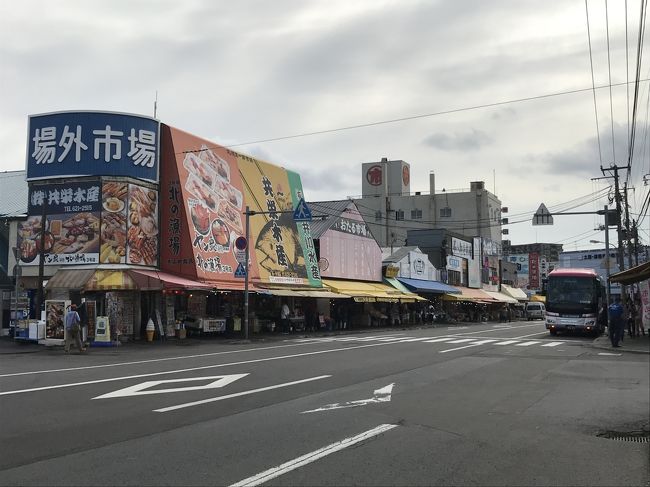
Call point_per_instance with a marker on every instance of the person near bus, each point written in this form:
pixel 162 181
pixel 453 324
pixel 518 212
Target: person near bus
pixel 616 322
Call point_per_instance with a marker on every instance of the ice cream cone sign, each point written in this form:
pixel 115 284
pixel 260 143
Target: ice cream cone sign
pixel 150 330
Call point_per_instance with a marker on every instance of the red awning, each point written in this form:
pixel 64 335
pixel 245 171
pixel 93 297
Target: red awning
pixel 169 281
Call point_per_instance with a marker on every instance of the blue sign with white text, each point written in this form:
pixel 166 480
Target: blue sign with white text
pixel 69 144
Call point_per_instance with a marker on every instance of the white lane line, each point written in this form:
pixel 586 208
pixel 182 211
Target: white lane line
pixel 483 342
pixel 238 394
pixel 303 460
pixel 526 344
pixel 438 340
pixel 393 339
pixel 204 367
pixel 462 340
pixel 499 330
pixel 552 344
pixel 507 342
pixel 459 348
pixel 607 354
pixel 408 340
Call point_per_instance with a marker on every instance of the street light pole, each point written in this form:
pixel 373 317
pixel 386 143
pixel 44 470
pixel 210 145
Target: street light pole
pixel 248 215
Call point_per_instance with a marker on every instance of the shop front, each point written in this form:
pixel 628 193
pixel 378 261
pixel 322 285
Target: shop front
pixel 473 305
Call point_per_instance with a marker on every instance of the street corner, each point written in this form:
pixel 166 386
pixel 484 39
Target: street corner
pixel 639 345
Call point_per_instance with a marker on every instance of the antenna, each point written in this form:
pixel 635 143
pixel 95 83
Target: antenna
pixel 494 180
pixel 155 105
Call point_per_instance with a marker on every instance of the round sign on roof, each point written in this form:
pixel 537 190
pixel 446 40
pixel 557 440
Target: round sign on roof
pixel 241 243
pixel 374 175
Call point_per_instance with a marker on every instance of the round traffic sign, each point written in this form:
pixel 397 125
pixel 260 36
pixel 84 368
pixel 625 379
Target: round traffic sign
pixel 241 243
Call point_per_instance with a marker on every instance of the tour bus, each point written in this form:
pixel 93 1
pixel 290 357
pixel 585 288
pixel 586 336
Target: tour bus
pixel 574 298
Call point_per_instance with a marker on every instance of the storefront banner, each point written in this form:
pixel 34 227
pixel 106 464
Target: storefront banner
pixel 72 216
pixel 207 188
pixel 72 144
pixel 461 248
pixel 348 249
pixel 474 265
pixel 455 263
pixel 420 267
pixel 533 270
pixel 644 291
pixel 284 248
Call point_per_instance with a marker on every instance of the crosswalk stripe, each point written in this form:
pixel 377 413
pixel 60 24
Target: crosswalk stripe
pixel 483 342
pixel 462 340
pixel 438 340
pixel 525 344
pixel 552 344
pixel 507 342
pixel 413 340
pixel 393 339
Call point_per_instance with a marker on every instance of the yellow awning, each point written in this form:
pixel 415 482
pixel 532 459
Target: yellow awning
pixel 514 292
pixel 538 297
pixel 105 280
pixel 501 297
pixel 471 295
pixel 367 291
pixel 69 279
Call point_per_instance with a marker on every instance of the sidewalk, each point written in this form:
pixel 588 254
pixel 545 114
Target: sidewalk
pixel 630 344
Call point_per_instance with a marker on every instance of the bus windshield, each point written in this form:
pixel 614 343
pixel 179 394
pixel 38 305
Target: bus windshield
pixel 569 294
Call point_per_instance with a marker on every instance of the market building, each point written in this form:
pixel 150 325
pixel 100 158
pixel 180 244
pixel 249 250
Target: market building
pixel 138 220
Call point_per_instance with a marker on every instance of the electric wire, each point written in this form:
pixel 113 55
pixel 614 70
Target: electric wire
pixel 609 70
pixel 407 118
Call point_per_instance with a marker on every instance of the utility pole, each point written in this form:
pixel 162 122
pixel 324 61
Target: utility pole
pixel 628 229
pixel 617 198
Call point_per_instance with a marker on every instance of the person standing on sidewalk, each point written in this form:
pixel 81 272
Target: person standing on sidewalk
pixel 73 329
pixel 616 322
pixel 284 318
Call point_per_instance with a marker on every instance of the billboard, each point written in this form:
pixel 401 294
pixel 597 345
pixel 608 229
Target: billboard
pixel 207 190
pixel 72 144
pixel 90 222
pixel 348 250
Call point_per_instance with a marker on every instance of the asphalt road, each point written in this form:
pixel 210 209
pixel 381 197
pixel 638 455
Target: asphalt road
pixel 481 405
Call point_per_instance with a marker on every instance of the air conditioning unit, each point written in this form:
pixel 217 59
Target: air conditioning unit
pixel 505 231
pixel 505 243
pixel 504 221
pixel 504 209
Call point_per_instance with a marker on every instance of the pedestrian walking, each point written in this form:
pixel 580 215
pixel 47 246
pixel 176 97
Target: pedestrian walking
pixel 73 329
pixel 616 322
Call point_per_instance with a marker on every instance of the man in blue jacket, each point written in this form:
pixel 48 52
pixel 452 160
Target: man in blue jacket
pixel 616 322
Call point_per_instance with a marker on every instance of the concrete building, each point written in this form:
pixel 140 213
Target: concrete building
pixel 391 209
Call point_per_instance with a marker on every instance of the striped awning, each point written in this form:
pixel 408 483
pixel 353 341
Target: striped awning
pixel 74 279
pixel 109 280
pixel 470 294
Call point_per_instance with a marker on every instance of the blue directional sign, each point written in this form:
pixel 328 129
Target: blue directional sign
pixel 241 271
pixel 302 213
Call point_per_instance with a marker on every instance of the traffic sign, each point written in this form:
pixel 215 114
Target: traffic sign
pixel 542 216
pixel 241 271
pixel 240 256
pixel 302 213
pixel 241 243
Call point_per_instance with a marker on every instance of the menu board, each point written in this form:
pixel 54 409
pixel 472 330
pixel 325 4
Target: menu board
pixel 72 216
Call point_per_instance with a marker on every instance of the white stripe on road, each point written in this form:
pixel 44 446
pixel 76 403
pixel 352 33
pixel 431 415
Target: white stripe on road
pixel 393 339
pixel 303 460
pixel 408 340
pixel 238 394
pixel 191 369
pixel 462 340
pixel 459 348
pixel 526 344
pixel 483 342
pixel 438 340
pixel 552 344
pixel 507 342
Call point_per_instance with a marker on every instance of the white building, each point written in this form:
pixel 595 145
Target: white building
pixel 390 209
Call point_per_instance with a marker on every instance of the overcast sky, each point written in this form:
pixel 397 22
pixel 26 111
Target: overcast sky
pixel 239 72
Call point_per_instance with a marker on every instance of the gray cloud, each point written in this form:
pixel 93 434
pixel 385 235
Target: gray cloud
pixel 463 142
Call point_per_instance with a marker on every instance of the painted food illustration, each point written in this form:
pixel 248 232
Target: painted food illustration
pixel 266 247
pixel 113 229
pixel 79 234
pixel 220 233
pixel 200 218
pixel 142 236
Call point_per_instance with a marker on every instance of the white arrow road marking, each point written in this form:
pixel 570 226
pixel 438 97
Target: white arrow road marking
pixel 303 460
pixel 140 389
pixel 380 395
pixel 238 394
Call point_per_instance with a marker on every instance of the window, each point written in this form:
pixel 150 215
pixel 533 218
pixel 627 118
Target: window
pixel 445 212
pixel 399 215
pixel 416 214
pixel 378 215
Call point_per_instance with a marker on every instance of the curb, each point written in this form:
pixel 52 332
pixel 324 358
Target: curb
pixel 623 348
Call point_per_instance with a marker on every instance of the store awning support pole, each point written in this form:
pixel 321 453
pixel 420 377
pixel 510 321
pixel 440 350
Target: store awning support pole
pixel 245 324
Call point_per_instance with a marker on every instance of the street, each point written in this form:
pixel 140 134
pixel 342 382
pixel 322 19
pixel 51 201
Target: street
pixel 486 404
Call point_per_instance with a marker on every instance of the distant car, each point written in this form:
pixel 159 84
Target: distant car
pixel 535 311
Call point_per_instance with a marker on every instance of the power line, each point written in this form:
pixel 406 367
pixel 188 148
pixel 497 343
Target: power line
pixel 412 117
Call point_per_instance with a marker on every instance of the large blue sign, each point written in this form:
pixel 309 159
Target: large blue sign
pixel 67 144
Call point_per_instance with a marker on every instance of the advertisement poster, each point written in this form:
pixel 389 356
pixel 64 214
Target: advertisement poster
pixel 205 204
pixel 73 144
pixel 55 318
pixel 142 235
pixel 72 216
pixel 114 212
pixel 348 249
